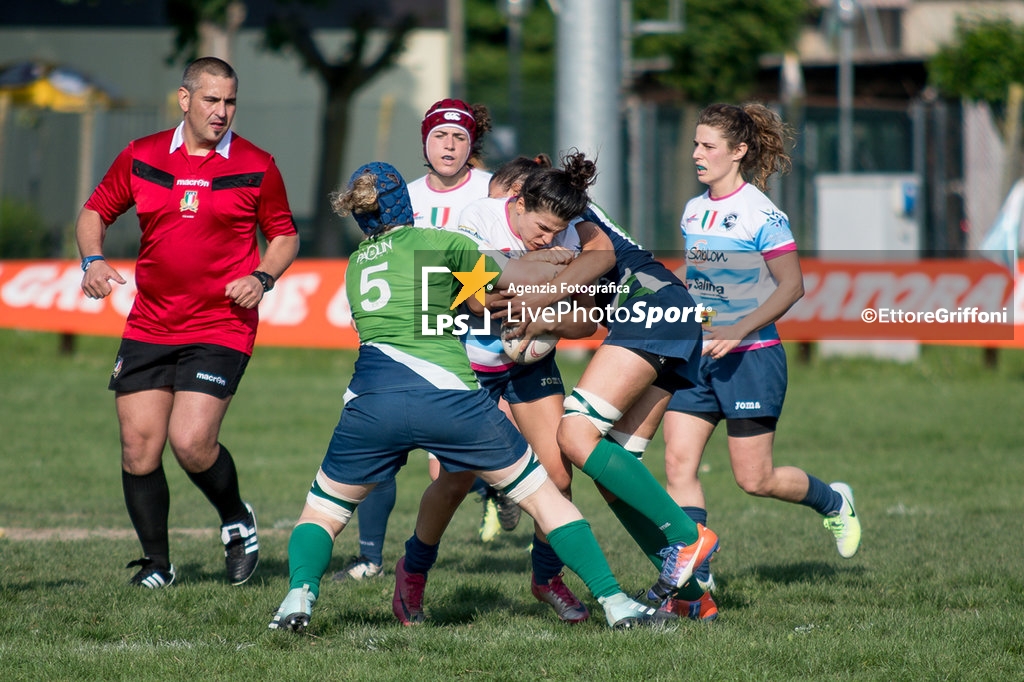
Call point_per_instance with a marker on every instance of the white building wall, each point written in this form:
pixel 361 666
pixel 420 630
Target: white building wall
pixel 925 25
pixel 928 24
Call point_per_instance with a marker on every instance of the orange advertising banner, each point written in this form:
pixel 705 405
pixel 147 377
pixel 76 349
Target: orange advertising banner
pixel 969 302
pixel 958 301
pixel 307 308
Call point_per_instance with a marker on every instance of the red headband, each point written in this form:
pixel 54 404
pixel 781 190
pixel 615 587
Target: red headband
pixel 449 113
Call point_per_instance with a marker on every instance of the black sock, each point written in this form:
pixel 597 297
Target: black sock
pixel 220 485
pixel 698 514
pixel 148 501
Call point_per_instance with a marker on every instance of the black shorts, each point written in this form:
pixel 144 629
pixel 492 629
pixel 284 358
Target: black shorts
pixel 198 367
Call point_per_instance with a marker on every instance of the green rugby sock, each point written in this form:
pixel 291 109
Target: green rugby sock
pixel 691 591
pixel 309 555
pixel 651 540
pixel 575 544
pixel 647 536
pixel 628 479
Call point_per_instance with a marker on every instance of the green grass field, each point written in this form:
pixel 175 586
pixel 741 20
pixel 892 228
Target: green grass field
pixel 932 449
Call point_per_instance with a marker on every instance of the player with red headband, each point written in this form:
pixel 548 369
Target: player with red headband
pixel 453 133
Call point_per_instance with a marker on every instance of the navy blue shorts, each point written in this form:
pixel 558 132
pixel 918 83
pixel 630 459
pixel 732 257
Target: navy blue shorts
pixel 678 342
pixel 739 386
pixel 465 430
pixel 524 383
pixel 198 367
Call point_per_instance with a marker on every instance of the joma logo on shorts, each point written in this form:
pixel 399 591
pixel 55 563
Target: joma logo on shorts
pixel 748 405
pixel 203 376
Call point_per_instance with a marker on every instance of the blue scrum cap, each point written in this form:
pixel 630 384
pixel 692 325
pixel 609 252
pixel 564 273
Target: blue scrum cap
pixel 394 207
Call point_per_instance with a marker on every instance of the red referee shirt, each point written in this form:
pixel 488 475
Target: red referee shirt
pixel 198 216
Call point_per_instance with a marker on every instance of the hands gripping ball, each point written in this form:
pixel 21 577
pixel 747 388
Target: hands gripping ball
pixel 526 353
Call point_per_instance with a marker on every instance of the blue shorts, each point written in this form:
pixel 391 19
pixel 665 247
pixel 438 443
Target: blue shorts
pixel 524 383
pixel 739 386
pixel 679 343
pixel 376 432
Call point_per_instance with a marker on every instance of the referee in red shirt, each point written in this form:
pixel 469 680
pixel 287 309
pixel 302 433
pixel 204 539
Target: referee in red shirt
pixel 200 192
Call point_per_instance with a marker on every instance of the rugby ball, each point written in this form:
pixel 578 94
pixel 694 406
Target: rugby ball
pixel 526 353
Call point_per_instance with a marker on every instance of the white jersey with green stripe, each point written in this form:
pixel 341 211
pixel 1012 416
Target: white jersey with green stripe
pixel 401 345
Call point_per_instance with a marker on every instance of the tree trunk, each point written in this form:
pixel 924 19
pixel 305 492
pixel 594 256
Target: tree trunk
pixel 328 234
pixel 218 39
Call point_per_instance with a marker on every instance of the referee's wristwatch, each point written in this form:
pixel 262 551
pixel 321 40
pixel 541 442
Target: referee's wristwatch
pixel 266 280
pixel 89 260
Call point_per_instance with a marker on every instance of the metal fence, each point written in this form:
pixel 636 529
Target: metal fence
pixel 41 166
pixel 950 147
pixel 924 138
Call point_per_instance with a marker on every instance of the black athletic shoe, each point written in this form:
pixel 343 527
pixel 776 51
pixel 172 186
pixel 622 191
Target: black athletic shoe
pixel 241 548
pixel 359 568
pixel 508 513
pixel 151 576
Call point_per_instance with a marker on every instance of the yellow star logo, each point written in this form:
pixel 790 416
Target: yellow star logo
pixel 473 282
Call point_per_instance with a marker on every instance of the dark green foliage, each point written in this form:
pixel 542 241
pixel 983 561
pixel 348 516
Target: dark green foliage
pixel 716 56
pixel 23 233
pixel 487 71
pixel 984 58
pixel 186 16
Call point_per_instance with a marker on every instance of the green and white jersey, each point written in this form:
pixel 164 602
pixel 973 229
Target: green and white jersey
pixel 401 290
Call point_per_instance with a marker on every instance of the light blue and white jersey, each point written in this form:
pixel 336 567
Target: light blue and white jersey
pixel 486 220
pixel 729 242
